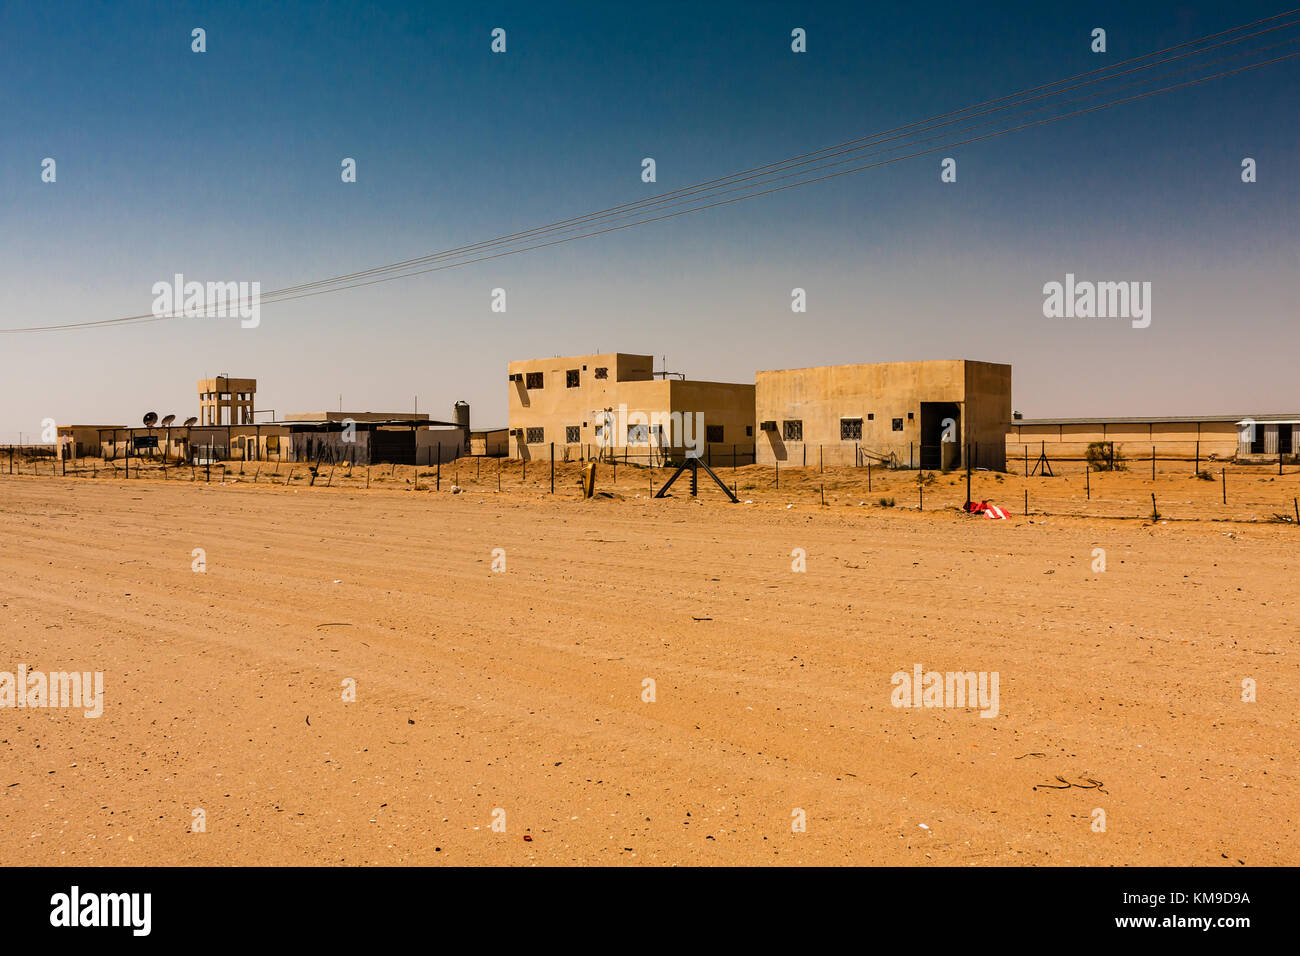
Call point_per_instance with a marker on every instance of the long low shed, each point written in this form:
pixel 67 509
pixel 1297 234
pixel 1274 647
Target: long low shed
pixel 1243 437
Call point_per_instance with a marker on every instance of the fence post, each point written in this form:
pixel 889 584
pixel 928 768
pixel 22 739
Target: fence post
pixel 909 455
pixel 1087 479
pixel 1197 466
pixel 821 461
pixel 437 473
pixel 775 462
pixel 1153 462
pixel 1223 474
pixel 968 475
pixel 1026 502
pixel 868 476
pixel 552 467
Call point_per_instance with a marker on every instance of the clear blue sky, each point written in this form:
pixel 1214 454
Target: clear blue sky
pixel 225 166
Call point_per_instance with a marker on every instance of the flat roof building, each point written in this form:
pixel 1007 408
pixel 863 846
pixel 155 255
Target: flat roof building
pixel 1246 438
pixel 615 404
pixel 908 414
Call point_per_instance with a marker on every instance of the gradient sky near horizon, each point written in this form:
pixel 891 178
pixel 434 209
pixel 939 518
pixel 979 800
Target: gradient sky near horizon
pixel 226 166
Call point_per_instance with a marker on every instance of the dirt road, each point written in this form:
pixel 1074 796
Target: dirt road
pixel 518 696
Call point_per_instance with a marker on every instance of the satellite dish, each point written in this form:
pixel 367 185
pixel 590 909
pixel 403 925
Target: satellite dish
pixel 191 421
pixel 167 422
pixel 150 419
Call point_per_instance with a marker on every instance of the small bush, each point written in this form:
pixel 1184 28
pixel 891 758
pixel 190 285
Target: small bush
pixel 1102 456
pixel 886 502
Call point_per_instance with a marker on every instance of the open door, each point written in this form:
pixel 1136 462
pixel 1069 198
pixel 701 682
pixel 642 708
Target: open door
pixel 940 420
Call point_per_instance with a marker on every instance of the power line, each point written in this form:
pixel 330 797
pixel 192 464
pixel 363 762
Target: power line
pixel 708 190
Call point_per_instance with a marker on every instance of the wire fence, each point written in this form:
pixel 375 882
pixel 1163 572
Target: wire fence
pixel 1172 492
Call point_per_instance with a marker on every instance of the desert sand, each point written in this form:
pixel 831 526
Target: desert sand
pixel 521 691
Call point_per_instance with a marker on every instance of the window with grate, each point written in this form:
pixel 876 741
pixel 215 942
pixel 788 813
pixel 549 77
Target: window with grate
pixel 535 436
pixel 850 429
pixel 792 431
pixel 602 373
pixel 572 434
pixel 898 424
pixel 533 380
pixel 571 379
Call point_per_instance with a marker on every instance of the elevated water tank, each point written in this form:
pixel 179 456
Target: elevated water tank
pixel 460 415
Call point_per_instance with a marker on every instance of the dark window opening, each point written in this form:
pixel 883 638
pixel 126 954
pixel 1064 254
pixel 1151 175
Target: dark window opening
pixel 909 416
pixel 871 416
pixel 793 430
pixel 533 380
pixel 898 424
pixel 602 372
pixel 713 434
pixel 749 431
pixel 850 429
pixel 571 378
pixel 572 434
pixel 535 436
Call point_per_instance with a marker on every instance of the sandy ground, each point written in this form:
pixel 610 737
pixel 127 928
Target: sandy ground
pixel 523 690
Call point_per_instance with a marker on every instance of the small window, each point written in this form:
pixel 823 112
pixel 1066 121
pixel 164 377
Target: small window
pixel 535 436
pixel 898 424
pixel 600 430
pixel 793 431
pixel 713 434
pixel 571 378
pixel 572 434
pixel 909 416
pixel 602 373
pixel 850 429
pixel 533 380
pixel 638 434
pixel 749 431
pixel 871 416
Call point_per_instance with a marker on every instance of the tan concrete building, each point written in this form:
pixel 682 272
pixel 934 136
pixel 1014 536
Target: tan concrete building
pixel 1245 438
pixel 226 401
pixel 911 414
pixel 615 404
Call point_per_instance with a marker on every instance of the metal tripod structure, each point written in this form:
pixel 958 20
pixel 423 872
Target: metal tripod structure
pixel 695 464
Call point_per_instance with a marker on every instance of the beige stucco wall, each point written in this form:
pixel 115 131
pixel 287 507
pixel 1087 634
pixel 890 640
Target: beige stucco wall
pixel 629 383
pixel 878 394
pixel 1133 441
